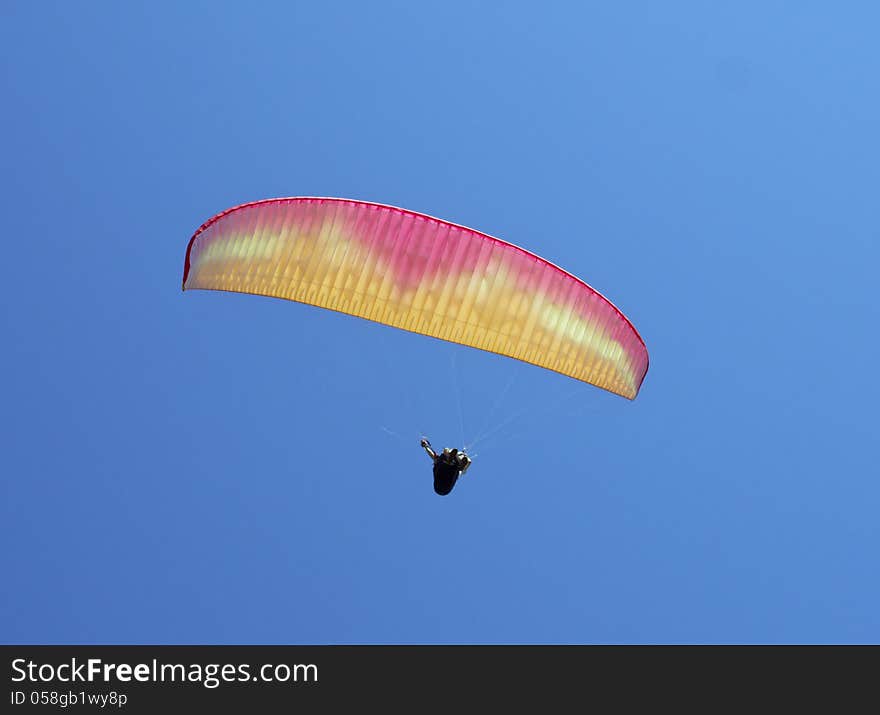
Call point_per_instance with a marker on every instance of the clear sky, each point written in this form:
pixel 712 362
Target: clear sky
pixel 216 468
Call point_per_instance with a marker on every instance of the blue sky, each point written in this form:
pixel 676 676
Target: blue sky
pixel 219 468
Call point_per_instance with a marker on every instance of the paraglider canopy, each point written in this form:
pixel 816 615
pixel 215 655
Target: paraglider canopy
pixel 421 274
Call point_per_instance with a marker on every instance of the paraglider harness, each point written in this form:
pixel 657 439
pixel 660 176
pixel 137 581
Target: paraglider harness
pixel 449 465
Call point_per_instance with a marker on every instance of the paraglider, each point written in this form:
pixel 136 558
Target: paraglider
pixel 449 465
pixel 421 274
